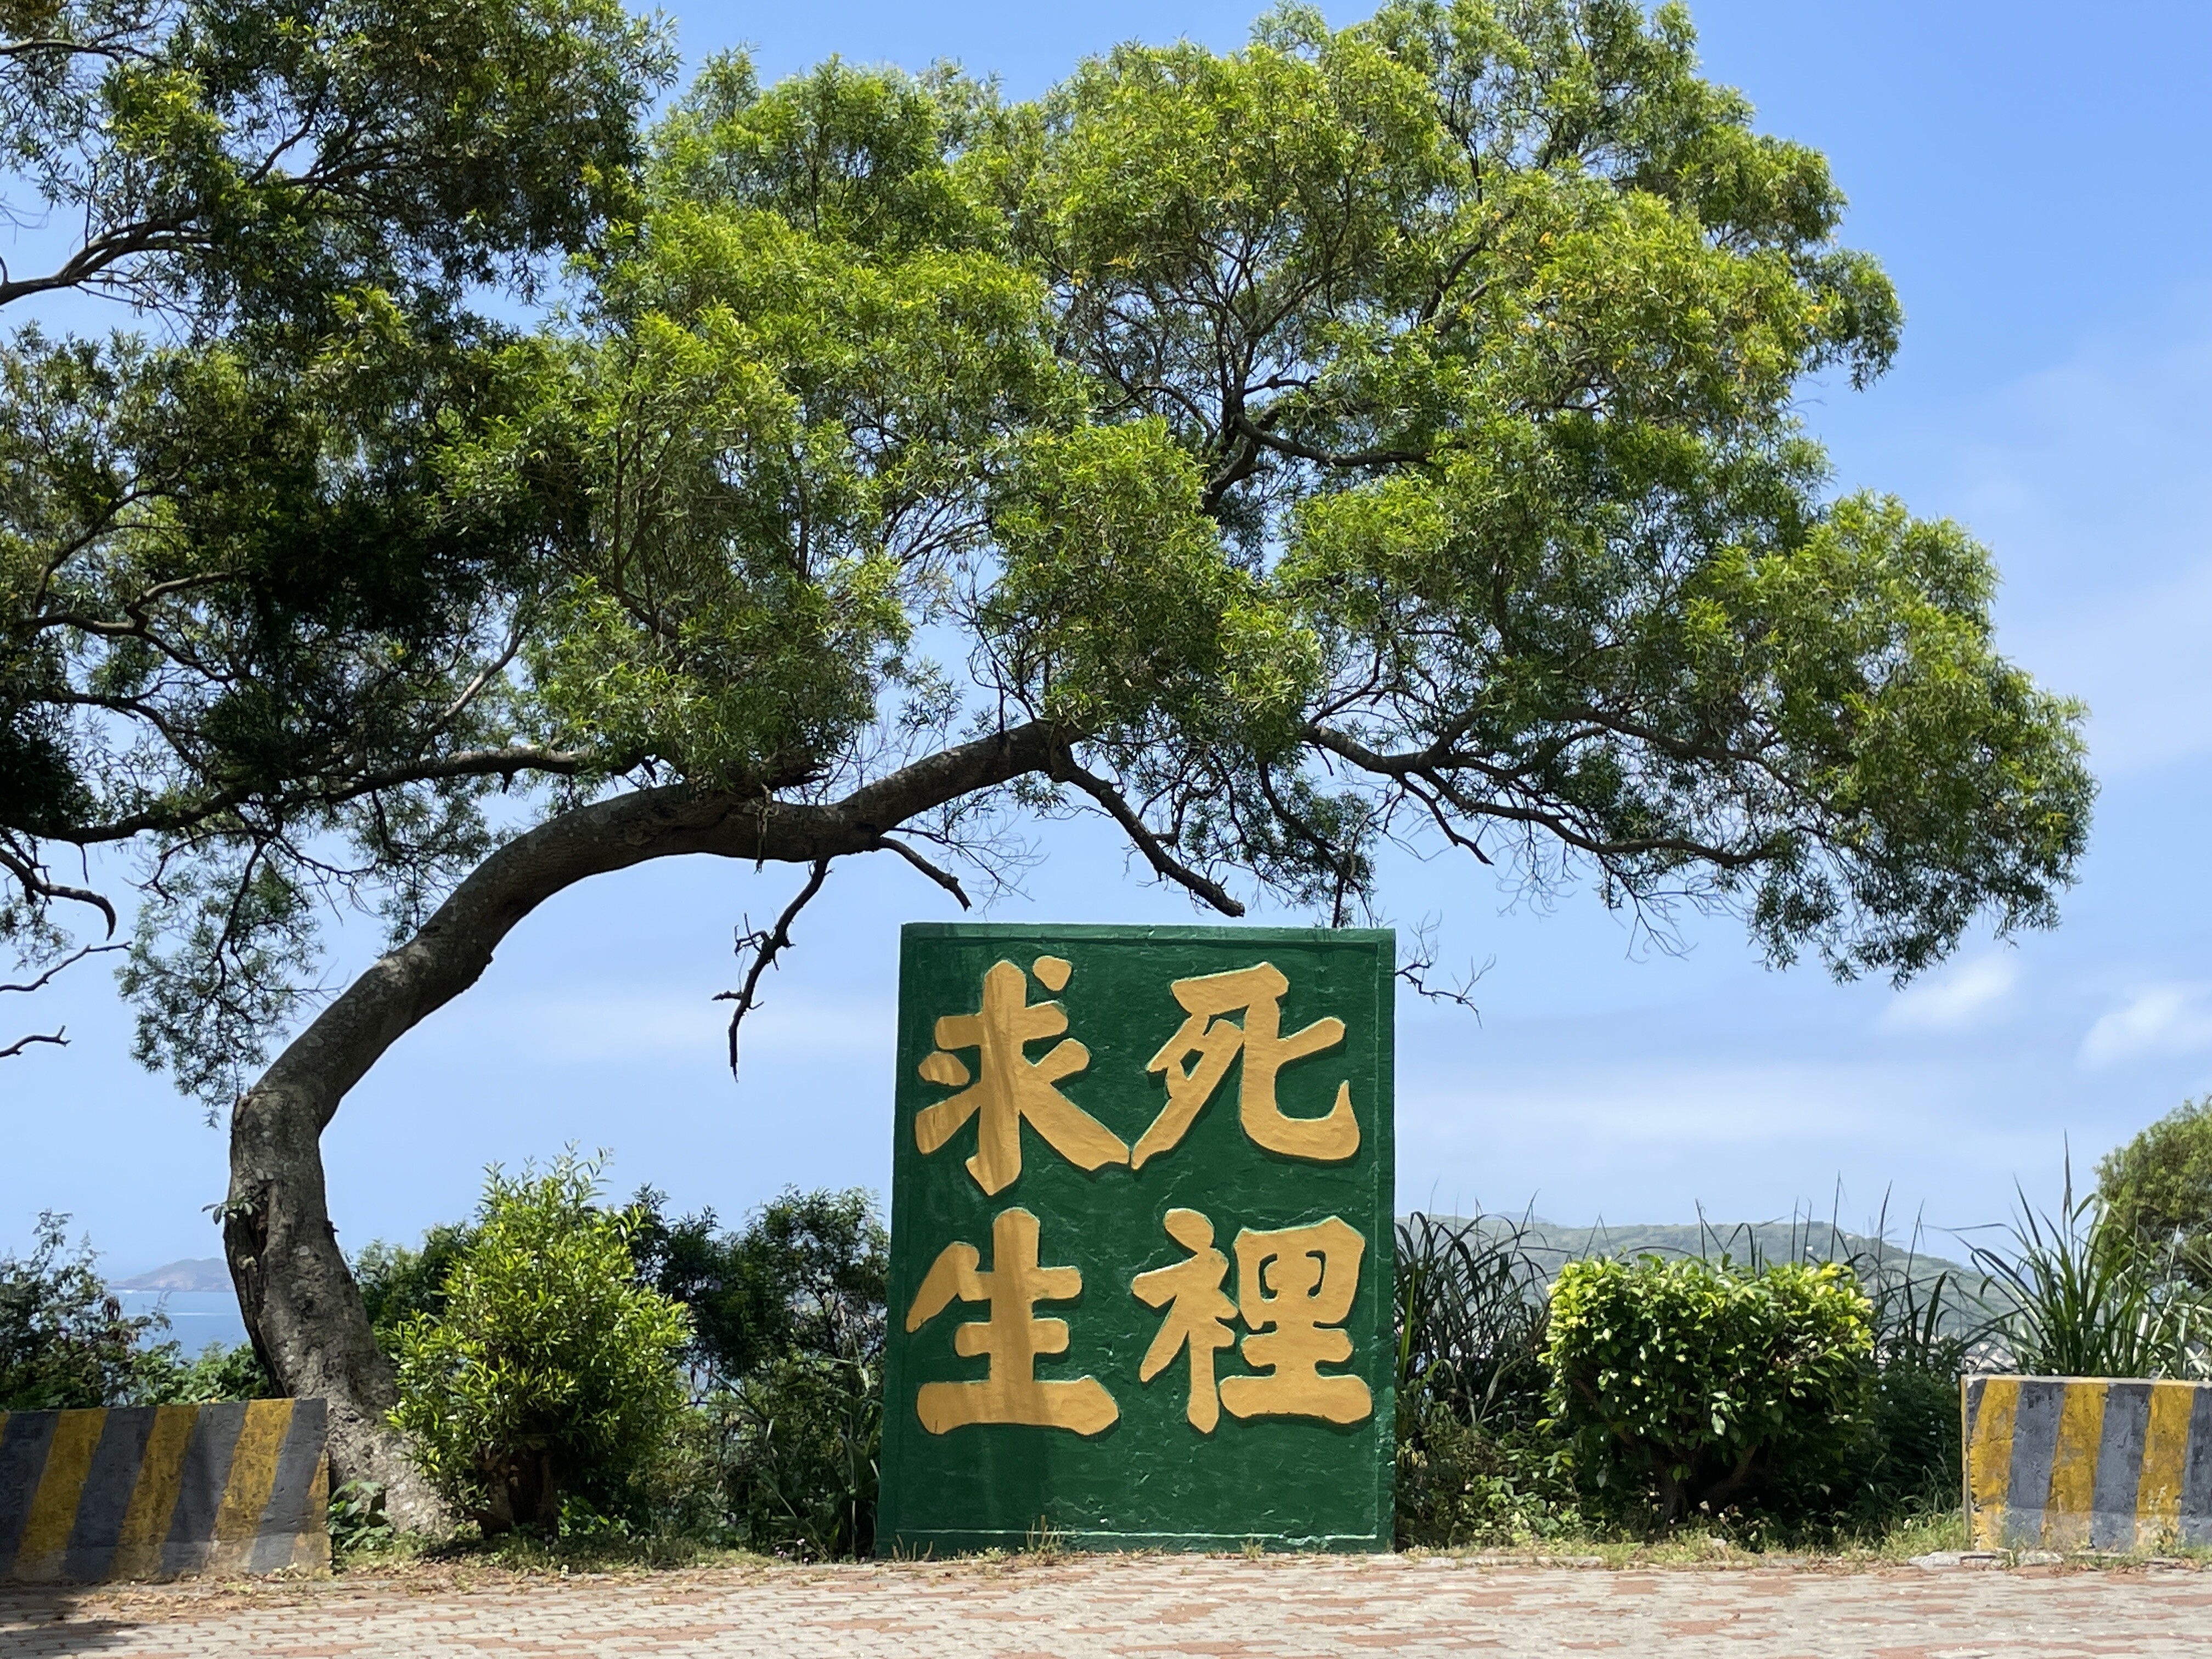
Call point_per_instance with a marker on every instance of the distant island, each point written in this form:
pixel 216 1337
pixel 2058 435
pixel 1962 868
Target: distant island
pixel 205 1273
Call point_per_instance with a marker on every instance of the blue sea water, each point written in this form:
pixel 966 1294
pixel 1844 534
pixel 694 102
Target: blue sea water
pixel 196 1317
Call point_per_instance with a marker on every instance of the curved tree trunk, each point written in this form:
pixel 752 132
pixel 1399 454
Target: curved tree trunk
pixel 301 1307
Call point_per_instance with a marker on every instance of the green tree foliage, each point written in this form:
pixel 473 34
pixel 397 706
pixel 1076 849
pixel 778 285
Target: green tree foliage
pixel 2158 1187
pixel 1377 434
pixel 1689 1387
pixel 792 1345
pixel 399 1282
pixel 551 1373
pixel 807 1275
pixel 225 577
pixel 64 1340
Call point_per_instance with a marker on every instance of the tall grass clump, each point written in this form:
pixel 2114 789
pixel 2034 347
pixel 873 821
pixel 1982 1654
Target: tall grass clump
pixel 1477 1462
pixel 2083 1295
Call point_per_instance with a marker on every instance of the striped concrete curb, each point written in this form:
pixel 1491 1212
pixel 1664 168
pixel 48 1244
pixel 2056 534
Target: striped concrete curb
pixel 2075 1462
pixel 164 1492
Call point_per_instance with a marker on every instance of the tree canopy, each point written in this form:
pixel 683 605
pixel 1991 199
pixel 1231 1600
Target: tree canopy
pixel 2157 1189
pixel 1385 434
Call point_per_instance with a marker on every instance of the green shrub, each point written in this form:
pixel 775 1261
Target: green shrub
pixel 64 1340
pixel 799 1438
pixel 1461 1483
pixel 551 1374
pixel 219 1373
pixel 1691 1387
pixel 2158 1187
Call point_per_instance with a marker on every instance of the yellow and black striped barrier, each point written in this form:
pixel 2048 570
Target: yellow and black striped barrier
pixel 2074 1462
pixel 163 1492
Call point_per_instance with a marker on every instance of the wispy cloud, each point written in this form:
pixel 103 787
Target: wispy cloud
pixel 2173 1017
pixel 1954 1000
pixel 2083 477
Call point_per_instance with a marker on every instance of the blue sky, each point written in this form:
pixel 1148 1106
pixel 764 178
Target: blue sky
pixel 2031 175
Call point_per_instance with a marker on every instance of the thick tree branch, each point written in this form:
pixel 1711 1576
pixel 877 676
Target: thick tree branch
pixel 944 879
pixel 1155 851
pixel 36 886
pixel 300 1305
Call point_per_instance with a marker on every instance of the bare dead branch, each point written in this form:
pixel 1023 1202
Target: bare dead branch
pixel 765 947
pixel 59 1039
pixel 1419 962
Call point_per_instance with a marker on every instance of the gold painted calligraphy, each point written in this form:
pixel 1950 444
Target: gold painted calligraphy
pixel 1009 1089
pixel 1011 1339
pixel 1198 1314
pixel 1197 1058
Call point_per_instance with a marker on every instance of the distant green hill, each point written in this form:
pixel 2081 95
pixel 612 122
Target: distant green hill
pixel 1881 1263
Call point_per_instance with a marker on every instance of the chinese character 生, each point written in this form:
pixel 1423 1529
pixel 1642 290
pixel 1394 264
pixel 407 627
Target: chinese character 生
pixel 1011 1338
pixel 1009 1089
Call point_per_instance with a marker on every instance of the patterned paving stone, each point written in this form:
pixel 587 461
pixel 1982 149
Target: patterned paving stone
pixel 1104 1607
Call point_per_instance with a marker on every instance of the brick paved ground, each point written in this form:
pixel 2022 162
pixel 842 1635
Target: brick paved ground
pixel 1220 1608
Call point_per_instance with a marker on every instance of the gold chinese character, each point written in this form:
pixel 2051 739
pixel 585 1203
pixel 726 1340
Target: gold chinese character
pixel 1296 1311
pixel 1011 1339
pixel 1198 1313
pixel 1011 1089
pixel 1209 1044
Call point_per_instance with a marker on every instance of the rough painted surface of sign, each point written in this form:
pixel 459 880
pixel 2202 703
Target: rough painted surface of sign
pixel 1141 1239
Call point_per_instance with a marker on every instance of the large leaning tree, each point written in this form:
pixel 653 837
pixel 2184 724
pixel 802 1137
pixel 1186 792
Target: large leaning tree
pixel 1378 436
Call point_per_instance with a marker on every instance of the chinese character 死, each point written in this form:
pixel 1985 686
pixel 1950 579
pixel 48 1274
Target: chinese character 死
pixel 1196 1059
pixel 1295 1312
pixel 1198 1313
pixel 1011 1089
pixel 1009 1339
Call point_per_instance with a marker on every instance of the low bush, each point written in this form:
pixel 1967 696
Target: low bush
pixel 219 1373
pixel 1476 1464
pixel 64 1340
pixel 1689 1388
pixel 550 1375
pixel 798 1443
pixel 1464 1484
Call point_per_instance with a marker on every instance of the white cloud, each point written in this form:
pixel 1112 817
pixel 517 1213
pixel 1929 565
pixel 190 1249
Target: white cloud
pixel 1954 1000
pixel 2084 477
pixel 2174 1018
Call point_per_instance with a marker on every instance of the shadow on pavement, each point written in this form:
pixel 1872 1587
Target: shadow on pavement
pixel 48 1621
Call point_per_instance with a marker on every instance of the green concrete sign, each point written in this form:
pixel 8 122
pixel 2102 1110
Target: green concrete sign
pixel 1141 1239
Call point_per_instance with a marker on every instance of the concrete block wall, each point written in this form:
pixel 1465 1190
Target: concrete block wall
pixel 2074 1462
pixel 164 1492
